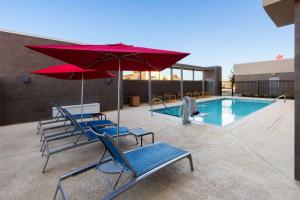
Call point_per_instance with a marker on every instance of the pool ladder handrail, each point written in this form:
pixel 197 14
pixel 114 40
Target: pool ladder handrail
pixel 284 97
pixel 163 103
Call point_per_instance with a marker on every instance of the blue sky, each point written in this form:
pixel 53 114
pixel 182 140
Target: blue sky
pixel 222 32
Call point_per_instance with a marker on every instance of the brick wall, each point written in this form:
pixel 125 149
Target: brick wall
pixel 23 102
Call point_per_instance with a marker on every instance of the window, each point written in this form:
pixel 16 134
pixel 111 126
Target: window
pixel 144 75
pixel 187 75
pixel 165 74
pixel 176 74
pixel 131 75
pixel 198 75
pixel 154 75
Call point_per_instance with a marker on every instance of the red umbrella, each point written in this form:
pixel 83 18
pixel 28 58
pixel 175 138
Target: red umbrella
pixel 115 57
pixel 72 72
pixel 107 57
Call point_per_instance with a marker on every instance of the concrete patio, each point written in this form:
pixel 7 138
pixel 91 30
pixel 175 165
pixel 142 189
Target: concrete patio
pixel 249 159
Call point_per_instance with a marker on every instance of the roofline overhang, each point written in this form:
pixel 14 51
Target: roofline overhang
pixel 280 11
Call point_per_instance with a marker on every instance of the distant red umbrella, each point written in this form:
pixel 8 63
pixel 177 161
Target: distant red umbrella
pixel 72 72
pixel 115 57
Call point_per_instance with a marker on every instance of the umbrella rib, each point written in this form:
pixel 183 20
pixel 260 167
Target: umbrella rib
pixel 132 57
pixel 140 60
pixel 101 59
pixel 132 54
pixel 144 61
pixel 72 75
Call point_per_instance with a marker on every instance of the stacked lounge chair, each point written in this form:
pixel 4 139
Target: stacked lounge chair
pixel 156 99
pixel 169 97
pixel 68 125
pixel 197 94
pixel 59 119
pixel 80 135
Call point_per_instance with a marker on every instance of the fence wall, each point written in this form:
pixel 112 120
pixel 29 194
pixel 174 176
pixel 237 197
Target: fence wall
pixel 265 88
pixel 140 88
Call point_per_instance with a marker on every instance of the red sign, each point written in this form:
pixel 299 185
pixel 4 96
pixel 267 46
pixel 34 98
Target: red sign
pixel 280 57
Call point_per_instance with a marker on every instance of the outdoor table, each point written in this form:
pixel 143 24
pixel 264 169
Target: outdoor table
pixel 139 132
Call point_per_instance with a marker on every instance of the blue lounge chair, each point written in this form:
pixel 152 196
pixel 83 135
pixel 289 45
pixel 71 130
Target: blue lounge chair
pixel 140 162
pixel 59 119
pixel 80 136
pixel 70 118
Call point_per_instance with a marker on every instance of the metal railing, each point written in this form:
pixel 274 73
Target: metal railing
pixel 284 97
pixel 159 100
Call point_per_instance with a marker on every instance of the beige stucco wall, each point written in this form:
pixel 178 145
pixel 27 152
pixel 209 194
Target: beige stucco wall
pixel 268 2
pixel 280 11
pixel 265 67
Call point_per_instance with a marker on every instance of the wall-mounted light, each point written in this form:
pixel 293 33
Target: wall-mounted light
pixel 25 79
pixel 108 81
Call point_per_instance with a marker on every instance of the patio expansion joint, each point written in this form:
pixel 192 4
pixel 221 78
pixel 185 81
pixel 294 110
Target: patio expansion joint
pixel 247 148
pixel 274 124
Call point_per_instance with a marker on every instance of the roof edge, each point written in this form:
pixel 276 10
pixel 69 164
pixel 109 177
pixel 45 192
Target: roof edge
pixel 39 36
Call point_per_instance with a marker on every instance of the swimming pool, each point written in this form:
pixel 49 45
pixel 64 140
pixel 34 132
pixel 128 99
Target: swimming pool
pixel 221 112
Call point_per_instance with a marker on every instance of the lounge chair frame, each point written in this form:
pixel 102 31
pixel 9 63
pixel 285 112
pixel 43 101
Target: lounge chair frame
pixel 170 97
pixel 51 120
pixel 66 115
pixel 78 133
pixel 189 94
pixel 156 99
pixel 60 118
pixel 197 94
pixel 132 182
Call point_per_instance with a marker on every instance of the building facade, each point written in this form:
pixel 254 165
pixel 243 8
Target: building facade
pixel 265 70
pixel 267 78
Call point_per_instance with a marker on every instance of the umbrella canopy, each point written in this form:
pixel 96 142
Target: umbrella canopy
pixel 115 57
pixel 72 72
pixel 106 57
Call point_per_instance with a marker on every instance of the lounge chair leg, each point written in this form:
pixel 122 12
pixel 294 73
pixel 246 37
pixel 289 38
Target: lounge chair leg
pixel 191 162
pixel 60 188
pixel 136 139
pixel 56 190
pixel 43 133
pixel 38 128
pixel 44 169
pixel 38 124
pixel 43 146
pixel 38 131
pixel 43 150
pixel 119 178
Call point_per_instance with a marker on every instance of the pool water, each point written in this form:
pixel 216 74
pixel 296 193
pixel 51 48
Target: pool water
pixel 221 112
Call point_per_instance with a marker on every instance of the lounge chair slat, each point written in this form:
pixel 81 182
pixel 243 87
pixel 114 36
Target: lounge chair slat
pixel 145 159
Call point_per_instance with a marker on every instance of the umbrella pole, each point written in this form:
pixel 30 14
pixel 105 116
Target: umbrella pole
pixel 181 83
pixel 119 91
pixel 150 93
pixel 82 78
